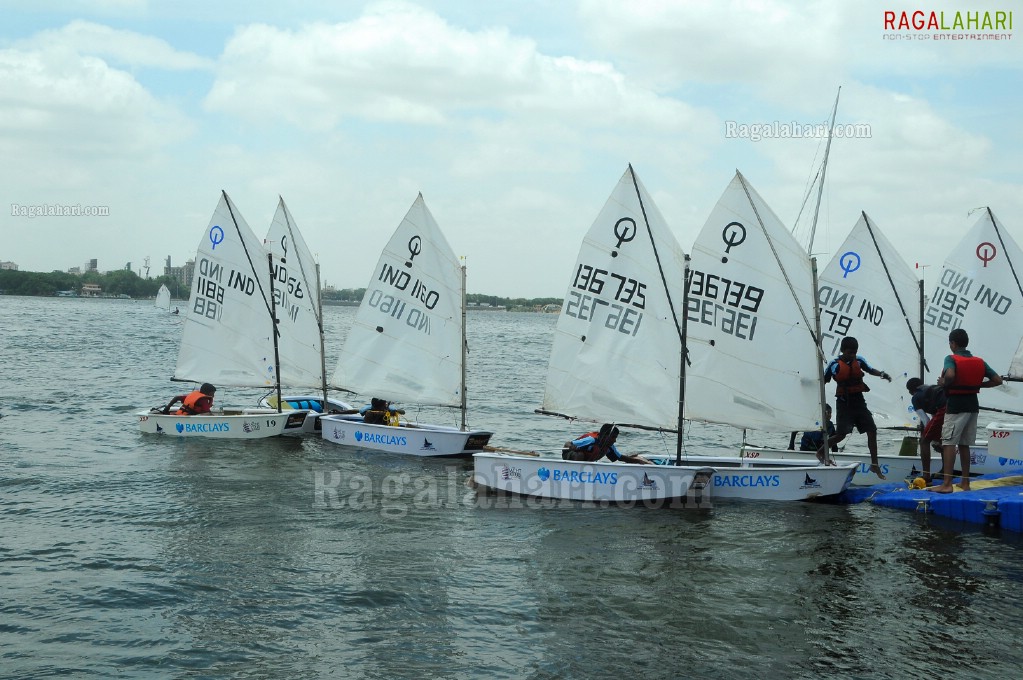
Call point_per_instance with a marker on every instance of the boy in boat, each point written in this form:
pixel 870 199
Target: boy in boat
pixel 593 446
pixel 379 412
pixel 196 402
pixel 847 370
pixel 929 403
pixel 813 440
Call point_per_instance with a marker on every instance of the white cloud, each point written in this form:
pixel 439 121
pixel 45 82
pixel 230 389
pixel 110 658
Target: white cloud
pixel 118 46
pixel 400 63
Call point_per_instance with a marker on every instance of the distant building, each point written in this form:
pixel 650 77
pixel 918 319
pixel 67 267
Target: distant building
pixel 75 270
pixel 91 289
pixel 183 275
pixel 92 265
pixel 8 265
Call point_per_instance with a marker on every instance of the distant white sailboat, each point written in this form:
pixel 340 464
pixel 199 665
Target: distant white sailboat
pixel 163 298
pixel 228 334
pixel 408 344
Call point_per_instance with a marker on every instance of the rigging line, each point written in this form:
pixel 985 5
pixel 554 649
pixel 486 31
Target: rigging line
pixel 891 282
pixel 777 259
pixel 998 233
pixel 824 166
pixel 657 257
pixel 248 257
pixel 806 198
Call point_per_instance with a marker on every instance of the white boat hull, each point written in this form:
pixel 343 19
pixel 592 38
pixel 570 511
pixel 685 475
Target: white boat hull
pixel 312 402
pixel 554 478
pixel 239 424
pixel 1004 450
pixel 419 439
pixel 770 479
pixel 894 468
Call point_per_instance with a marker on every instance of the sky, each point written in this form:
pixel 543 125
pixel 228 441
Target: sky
pixel 514 118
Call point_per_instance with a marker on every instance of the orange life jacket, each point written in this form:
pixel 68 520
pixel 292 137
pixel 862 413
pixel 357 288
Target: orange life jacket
pixel 849 378
pixel 969 375
pixel 190 404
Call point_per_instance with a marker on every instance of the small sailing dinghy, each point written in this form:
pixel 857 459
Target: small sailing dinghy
pixel 300 315
pixel 163 298
pixel 228 334
pixel 869 291
pixel 752 334
pixel 624 309
pixel 408 344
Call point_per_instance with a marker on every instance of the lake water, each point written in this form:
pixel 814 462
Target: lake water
pixel 130 555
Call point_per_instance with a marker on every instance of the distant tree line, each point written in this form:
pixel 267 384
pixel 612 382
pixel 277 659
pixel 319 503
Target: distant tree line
pixel 126 282
pixel 119 282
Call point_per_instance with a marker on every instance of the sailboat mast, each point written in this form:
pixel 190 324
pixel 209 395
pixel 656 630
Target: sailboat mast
pixel 686 277
pixel 323 347
pixel 923 361
pixel 824 168
pixel 465 348
pixel 273 318
pixel 820 355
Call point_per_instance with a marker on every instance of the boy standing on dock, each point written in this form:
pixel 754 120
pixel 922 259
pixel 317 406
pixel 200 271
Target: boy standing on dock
pixel 963 376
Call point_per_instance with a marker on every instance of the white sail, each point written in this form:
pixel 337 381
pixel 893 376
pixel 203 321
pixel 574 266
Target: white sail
pixel 163 297
pixel 979 290
pixel 228 329
pixel 406 341
pixel 617 345
pixel 1016 366
pixel 755 363
pixel 869 292
pixel 297 302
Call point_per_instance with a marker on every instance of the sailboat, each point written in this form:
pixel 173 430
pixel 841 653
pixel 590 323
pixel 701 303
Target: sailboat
pixel 163 298
pixel 617 356
pixel 979 289
pixel 228 334
pixel 408 344
pixel 300 321
pixel 869 292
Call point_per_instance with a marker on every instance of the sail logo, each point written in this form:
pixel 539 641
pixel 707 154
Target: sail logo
pixel 733 234
pixel 624 231
pixel 986 252
pixel 647 483
pixel 216 236
pixel 427 445
pixel 849 262
pixel 415 246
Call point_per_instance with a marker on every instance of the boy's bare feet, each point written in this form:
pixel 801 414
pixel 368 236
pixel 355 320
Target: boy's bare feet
pixel 876 469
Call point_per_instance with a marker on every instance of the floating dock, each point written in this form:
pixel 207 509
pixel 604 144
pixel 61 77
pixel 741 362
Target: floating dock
pixel 994 500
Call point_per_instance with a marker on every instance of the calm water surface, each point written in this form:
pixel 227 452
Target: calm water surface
pixel 124 555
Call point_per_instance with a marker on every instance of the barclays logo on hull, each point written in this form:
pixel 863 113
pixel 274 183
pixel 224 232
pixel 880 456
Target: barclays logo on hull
pixel 544 474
